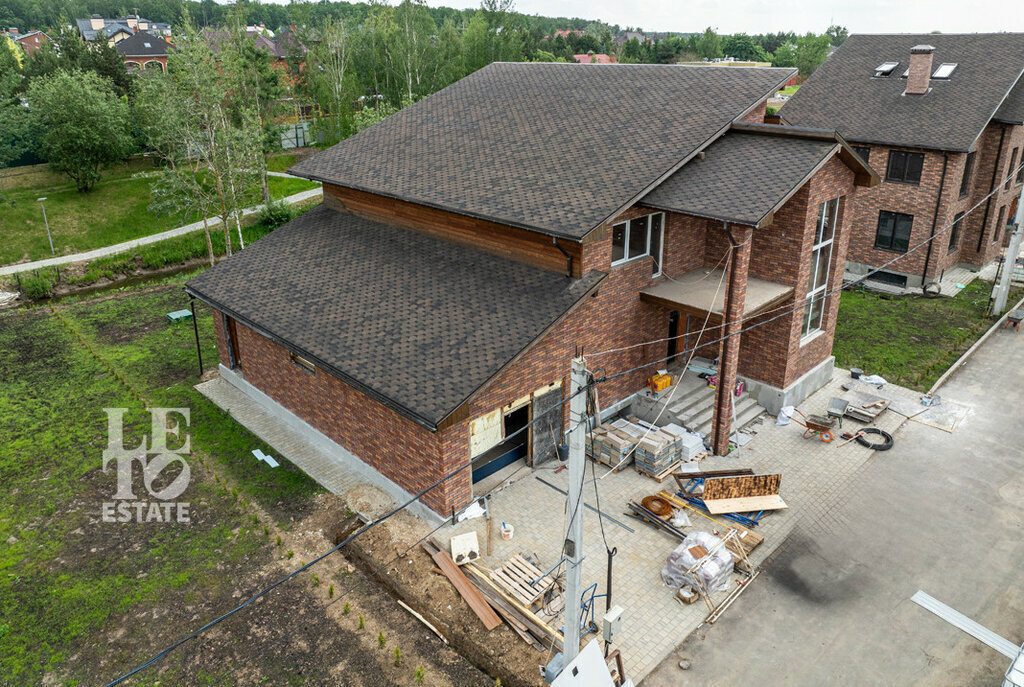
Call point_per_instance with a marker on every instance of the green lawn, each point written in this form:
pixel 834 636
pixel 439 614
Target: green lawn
pixel 790 90
pixel 910 340
pixel 114 211
pixel 68 580
pixel 280 163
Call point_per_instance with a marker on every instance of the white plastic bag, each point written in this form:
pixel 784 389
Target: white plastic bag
pixel 681 519
pixel 785 415
pixel 714 574
pixel 874 380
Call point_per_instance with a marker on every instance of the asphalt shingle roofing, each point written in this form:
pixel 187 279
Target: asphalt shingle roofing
pixel 743 177
pixel 556 148
pixel 416 322
pixel 842 94
pixel 1012 109
pixel 143 44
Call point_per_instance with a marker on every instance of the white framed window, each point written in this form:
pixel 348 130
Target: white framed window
pixel 639 237
pixel 821 259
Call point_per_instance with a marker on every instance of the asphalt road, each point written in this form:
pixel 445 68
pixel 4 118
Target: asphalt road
pixel 940 512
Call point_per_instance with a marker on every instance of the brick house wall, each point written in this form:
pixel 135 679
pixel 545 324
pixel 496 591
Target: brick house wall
pixel 612 317
pixel 400 449
pixel 757 114
pixel 975 245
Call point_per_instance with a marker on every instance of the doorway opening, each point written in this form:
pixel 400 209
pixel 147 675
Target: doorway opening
pixel 510 449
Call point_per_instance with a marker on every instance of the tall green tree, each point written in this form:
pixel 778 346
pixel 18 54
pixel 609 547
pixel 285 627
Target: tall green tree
pixel 836 34
pixel 84 126
pixel 412 49
pixel 709 45
pixel 15 122
pixel 811 51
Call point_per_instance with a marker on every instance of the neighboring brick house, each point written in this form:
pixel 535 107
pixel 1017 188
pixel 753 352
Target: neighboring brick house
pixel 144 51
pixel 431 305
pixel 30 42
pixel 939 116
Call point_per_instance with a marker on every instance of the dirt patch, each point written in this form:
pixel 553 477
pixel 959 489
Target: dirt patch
pixel 500 653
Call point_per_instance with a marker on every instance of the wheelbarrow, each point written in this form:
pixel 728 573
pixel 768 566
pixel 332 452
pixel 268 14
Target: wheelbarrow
pixel 816 425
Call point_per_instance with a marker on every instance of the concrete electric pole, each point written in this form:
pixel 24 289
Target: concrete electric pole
pixel 1009 263
pixel 573 549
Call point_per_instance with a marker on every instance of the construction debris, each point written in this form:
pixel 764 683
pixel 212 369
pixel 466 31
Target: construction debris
pixel 463 586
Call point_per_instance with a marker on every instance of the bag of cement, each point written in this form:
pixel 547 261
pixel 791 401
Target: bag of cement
pixel 874 380
pixel 785 415
pixel 714 574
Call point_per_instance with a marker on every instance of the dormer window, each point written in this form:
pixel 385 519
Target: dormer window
pixel 885 69
pixel 944 70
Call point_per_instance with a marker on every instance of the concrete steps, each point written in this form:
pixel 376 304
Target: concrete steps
pixel 692 406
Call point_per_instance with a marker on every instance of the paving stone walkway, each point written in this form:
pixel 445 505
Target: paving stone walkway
pixel 126 246
pixel 318 464
pixel 814 477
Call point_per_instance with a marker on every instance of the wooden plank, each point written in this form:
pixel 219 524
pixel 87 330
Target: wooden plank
pixel 527 565
pixel 746 504
pixel 740 486
pixel 464 587
pixel 526 246
pixel 526 613
pixel 512 586
pixel 684 477
pixel 748 537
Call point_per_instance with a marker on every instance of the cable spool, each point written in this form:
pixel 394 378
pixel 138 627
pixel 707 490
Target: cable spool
pixel 657 505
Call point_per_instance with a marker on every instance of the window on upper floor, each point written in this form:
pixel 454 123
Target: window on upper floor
pixel 954 232
pixel 904 167
pixel 893 231
pixel 965 182
pixel 864 152
pixel 821 260
pixel 638 237
pixel 1011 168
pixel 945 70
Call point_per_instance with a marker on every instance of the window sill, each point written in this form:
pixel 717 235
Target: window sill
pixel 811 337
pixel 628 261
pixel 892 250
pixel 901 181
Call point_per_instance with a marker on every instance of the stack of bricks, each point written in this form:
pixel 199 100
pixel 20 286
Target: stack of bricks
pixel 609 445
pixel 657 451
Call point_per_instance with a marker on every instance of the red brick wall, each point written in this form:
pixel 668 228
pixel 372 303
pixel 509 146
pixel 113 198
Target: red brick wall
pixel 920 201
pixel 398 448
pixel 757 114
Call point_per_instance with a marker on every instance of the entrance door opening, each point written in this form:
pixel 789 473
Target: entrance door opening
pixel 510 449
pixel 673 333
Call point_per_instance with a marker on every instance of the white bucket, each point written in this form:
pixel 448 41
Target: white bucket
pixel 507 531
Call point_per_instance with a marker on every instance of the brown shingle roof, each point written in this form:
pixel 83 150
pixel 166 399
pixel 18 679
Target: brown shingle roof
pixel 415 322
pixel 555 148
pixel 748 174
pixel 842 94
pixel 742 179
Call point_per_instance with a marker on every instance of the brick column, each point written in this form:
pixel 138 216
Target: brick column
pixel 735 297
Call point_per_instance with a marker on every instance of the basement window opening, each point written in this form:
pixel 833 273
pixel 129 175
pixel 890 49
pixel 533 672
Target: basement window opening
pixel 305 364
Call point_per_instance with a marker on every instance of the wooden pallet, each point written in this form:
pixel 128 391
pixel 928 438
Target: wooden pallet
pixel 664 474
pixel 515 576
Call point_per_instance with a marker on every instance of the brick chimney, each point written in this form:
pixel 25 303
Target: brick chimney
pixel 920 69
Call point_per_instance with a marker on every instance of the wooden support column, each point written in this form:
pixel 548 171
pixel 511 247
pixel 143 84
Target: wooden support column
pixel 728 364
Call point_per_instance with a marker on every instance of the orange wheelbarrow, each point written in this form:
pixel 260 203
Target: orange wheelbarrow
pixel 817 425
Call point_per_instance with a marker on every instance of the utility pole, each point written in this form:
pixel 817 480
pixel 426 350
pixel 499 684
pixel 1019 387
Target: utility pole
pixel 573 549
pixel 1009 263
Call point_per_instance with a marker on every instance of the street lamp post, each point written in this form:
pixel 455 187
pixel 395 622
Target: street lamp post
pixel 48 236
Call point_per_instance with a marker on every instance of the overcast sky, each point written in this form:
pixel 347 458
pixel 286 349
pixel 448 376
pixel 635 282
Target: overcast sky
pixel 765 16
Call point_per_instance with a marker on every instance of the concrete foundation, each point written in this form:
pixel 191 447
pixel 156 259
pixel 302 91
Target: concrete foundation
pixel 774 398
pixel 859 269
pixel 333 454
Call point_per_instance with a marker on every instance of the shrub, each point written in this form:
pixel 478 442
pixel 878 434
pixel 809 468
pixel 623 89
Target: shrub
pixel 275 213
pixel 37 287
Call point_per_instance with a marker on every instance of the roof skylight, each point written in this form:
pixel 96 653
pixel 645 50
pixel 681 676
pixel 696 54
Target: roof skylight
pixel 944 70
pixel 885 69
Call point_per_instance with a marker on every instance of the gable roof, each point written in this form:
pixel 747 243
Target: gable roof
pixel 553 148
pixel 143 44
pixel 747 175
pixel 1012 109
pixel 843 94
pixel 415 322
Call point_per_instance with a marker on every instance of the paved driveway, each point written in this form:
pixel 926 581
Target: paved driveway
pixel 939 512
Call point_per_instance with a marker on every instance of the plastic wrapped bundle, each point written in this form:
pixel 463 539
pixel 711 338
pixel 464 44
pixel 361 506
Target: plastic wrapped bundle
pixel 714 575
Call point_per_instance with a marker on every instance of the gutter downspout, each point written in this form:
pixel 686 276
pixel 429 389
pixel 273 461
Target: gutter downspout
pixel 568 258
pixel 991 188
pixel 935 222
